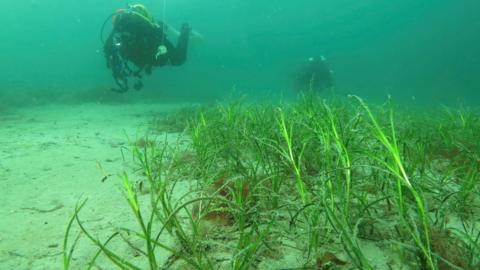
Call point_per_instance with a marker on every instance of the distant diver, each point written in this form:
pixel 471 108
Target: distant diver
pixel 314 75
pixel 136 38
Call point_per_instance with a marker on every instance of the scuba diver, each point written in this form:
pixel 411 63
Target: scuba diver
pixel 136 38
pixel 314 75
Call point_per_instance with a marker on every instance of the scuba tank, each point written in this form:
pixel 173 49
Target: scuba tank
pixel 126 20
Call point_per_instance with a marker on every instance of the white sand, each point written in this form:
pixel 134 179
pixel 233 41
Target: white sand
pixel 48 161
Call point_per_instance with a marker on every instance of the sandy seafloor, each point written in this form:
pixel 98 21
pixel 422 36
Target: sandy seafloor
pixel 53 156
pixel 49 160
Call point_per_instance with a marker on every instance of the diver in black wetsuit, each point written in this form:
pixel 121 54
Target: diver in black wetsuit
pixel 314 75
pixel 137 39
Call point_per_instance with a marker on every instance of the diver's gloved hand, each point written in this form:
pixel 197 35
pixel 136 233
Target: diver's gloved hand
pixel 185 30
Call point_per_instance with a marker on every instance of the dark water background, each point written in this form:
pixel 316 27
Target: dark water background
pixel 425 50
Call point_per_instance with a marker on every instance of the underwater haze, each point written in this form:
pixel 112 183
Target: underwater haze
pixel 274 146
pixel 425 51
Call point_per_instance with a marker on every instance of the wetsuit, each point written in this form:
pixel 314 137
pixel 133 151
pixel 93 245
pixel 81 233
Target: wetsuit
pixel 314 75
pixel 139 40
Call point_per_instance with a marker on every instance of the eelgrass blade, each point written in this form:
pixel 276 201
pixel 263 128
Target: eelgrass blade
pixel 243 259
pixel 295 162
pixel 185 257
pixel 349 240
pixel 146 229
pixel 112 256
pixel 399 170
pixel 345 159
pixel 91 264
pixel 67 255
